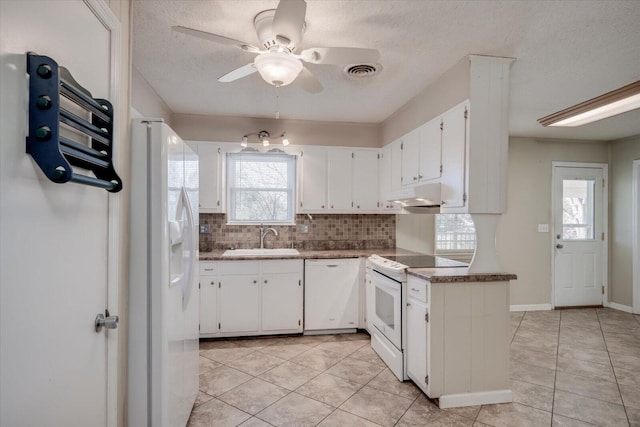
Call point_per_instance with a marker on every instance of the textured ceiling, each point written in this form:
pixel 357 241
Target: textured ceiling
pixel 566 52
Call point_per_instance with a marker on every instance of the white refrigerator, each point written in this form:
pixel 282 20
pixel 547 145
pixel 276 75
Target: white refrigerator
pixel 163 287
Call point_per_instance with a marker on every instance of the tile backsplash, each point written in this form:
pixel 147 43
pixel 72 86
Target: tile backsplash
pixel 324 232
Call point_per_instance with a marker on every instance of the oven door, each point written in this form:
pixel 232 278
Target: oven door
pixel 387 307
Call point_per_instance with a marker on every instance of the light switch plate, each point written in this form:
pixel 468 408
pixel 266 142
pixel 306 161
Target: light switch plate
pixel 543 228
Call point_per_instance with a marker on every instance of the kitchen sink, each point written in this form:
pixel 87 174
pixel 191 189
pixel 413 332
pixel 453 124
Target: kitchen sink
pixel 261 252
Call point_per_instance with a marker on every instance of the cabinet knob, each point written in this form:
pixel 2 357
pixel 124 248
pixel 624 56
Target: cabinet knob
pixel 419 176
pixel 266 281
pixel 213 283
pixel 358 206
pixel 443 202
pixel 415 178
pixel 322 206
pixel 331 206
pixel 255 281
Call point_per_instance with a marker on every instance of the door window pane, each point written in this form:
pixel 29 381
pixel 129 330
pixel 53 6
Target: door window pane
pixel 578 206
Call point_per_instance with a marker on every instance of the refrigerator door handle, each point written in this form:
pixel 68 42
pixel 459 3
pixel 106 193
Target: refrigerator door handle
pixel 190 246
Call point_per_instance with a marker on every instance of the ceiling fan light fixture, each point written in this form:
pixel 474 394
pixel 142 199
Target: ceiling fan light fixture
pixel 612 103
pixel 285 140
pixel 278 68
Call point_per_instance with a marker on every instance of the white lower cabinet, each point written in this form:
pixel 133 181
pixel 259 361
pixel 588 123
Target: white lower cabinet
pixel 331 294
pixel 251 298
pixel 417 332
pixel 457 347
pixel 208 298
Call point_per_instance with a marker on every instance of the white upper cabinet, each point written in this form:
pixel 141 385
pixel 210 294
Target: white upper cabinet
pixel 411 157
pixel 365 180
pixel 313 179
pixel 390 174
pixel 210 172
pixel 340 180
pixel 421 153
pixel 430 146
pixel 454 143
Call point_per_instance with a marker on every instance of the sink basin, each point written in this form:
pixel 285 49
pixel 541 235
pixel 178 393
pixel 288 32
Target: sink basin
pixel 261 252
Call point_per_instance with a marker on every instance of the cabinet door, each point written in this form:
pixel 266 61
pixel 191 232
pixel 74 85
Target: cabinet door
pixel 239 303
pixel 384 177
pixel 430 144
pixel 417 341
pixel 313 164
pixel 208 305
pixel 411 157
pixel 454 142
pixel 396 166
pixel 210 182
pixel 365 180
pixel 281 302
pixel 340 179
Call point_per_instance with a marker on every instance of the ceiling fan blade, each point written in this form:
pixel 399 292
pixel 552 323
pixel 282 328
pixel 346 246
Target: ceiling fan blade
pixel 288 20
pixel 238 73
pixel 308 81
pixel 340 55
pixel 215 38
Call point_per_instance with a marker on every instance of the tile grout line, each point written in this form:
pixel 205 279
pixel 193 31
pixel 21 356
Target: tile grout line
pixel 555 373
pixel 613 369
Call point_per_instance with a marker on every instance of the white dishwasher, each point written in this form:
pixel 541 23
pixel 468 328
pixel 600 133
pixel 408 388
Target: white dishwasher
pixel 331 294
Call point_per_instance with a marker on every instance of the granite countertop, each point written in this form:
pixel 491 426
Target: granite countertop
pixel 458 275
pixel 311 254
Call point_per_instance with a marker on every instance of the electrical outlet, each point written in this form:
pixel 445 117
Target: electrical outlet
pixel 303 228
pixel 543 228
pixel 205 228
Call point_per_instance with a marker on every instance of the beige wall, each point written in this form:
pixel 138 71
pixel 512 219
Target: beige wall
pixel 447 92
pixel 122 10
pixel 522 250
pixel 622 154
pixel 145 100
pixel 300 132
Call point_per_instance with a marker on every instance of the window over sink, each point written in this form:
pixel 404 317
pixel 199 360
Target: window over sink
pixel 261 188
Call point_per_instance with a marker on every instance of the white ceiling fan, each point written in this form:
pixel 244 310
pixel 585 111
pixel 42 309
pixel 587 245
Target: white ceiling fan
pixel 280 31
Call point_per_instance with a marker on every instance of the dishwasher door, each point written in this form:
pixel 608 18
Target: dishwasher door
pixel 331 294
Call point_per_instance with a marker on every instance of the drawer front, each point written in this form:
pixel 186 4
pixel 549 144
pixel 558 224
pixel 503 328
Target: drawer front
pixel 239 267
pixel 282 266
pixel 208 268
pixel 417 288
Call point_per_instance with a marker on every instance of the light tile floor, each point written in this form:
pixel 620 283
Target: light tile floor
pixel 568 368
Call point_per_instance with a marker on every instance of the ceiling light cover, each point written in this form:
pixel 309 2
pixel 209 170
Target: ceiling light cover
pixel 278 68
pixel 612 103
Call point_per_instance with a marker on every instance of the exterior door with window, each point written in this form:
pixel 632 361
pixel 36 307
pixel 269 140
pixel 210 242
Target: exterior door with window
pixel 579 223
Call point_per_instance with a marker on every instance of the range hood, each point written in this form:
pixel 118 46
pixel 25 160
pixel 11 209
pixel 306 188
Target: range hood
pixel 422 198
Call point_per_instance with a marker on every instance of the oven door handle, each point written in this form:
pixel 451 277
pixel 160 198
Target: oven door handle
pixel 385 282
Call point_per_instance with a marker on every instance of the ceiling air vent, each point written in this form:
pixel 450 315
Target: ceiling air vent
pixel 362 70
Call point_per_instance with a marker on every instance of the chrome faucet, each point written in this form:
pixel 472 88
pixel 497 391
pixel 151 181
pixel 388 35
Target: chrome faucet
pixel 264 232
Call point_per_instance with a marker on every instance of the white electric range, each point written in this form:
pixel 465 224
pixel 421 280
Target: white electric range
pixel 386 309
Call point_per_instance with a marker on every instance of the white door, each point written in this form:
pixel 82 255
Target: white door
pixel 239 303
pixel 340 179
pixel 365 179
pixel 281 301
pixel 579 224
pixel 59 265
pixel 313 197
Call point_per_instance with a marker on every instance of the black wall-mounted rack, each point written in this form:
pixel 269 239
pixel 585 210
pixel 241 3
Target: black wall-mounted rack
pixel 89 142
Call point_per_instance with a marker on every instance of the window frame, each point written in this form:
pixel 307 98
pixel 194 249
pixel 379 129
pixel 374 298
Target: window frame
pixel 450 251
pixel 232 191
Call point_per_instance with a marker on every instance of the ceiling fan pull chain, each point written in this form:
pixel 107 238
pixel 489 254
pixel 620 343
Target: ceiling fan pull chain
pixel 277 103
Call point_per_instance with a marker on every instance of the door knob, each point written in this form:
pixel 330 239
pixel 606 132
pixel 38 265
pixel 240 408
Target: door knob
pixel 109 322
pixel 559 246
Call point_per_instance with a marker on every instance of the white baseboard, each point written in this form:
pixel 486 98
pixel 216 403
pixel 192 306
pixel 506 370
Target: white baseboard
pixel 616 306
pixel 472 399
pixel 530 307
